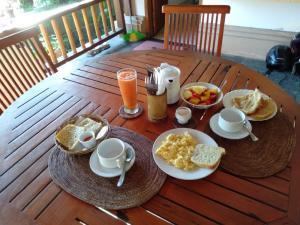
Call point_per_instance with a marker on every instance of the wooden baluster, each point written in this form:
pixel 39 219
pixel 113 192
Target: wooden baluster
pixel 23 64
pixel 59 38
pixel 111 19
pixel 34 59
pixel 206 31
pixel 103 17
pixel 215 33
pixel 210 32
pixel 78 29
pixel 69 34
pixel 166 32
pixel 16 65
pixel 87 25
pixel 201 32
pixel 95 21
pixel 10 69
pixel 194 18
pixel 48 43
pixel 220 38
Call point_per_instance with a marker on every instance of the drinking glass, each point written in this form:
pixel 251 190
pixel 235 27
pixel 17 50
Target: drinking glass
pixel 127 80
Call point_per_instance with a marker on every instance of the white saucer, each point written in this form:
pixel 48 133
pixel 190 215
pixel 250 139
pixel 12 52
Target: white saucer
pixel 102 171
pixel 214 125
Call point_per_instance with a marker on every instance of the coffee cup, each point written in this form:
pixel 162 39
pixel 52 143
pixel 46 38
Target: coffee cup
pixel 87 139
pixel 111 153
pixel 183 114
pixel 231 119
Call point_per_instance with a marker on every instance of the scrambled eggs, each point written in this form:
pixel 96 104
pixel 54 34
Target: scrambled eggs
pixel 177 150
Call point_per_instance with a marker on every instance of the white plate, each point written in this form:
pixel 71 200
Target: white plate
pixel 227 101
pixel 102 171
pixel 214 125
pixel 178 173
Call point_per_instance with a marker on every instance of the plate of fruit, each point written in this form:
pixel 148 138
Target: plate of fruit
pixel 201 95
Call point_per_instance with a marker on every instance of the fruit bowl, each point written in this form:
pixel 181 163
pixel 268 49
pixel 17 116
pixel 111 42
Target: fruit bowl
pixel 201 95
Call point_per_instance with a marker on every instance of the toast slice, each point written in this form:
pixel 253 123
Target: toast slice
pixel 206 156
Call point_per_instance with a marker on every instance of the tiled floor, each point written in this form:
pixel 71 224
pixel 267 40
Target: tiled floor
pixel 290 83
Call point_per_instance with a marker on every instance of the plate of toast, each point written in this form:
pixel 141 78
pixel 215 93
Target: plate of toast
pixel 187 154
pixel 256 105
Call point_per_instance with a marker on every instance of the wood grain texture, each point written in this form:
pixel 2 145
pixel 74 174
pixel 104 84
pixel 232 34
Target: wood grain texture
pixel 27 133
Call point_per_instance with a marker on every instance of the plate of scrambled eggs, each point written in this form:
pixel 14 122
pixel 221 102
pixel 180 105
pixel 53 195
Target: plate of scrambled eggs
pixel 173 149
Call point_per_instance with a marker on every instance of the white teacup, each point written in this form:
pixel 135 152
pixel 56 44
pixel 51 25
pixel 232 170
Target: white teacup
pixel 183 114
pixel 231 119
pixel 87 139
pixel 111 153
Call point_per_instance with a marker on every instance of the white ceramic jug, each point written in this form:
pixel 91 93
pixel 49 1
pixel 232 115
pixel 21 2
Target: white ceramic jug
pixel 171 77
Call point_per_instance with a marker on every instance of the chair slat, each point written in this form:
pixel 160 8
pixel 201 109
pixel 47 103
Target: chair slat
pixel 34 61
pixel 9 54
pixel 215 33
pixel 195 26
pixel 23 63
pixel 11 75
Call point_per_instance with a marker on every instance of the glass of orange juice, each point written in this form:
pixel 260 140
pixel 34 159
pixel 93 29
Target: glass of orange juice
pixel 127 80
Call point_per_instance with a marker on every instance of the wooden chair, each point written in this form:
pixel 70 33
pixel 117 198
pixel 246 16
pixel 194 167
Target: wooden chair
pixel 195 27
pixel 23 63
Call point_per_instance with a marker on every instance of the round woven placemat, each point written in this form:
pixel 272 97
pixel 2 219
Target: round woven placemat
pixel 143 180
pixel 265 157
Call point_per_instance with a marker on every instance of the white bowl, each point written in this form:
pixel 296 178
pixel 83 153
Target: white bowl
pixel 208 85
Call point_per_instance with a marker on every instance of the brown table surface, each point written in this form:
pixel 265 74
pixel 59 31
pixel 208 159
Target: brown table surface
pixel 29 196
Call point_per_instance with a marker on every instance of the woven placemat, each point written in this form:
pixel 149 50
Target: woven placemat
pixel 266 157
pixel 143 180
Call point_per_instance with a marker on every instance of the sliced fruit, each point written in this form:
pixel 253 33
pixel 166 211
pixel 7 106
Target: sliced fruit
pixel 205 96
pixel 187 94
pixel 194 100
pixel 199 89
pixel 213 91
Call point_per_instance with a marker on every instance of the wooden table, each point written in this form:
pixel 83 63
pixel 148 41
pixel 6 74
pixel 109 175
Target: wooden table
pixel 29 196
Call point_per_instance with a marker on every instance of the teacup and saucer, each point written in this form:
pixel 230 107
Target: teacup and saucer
pixel 108 158
pixel 229 124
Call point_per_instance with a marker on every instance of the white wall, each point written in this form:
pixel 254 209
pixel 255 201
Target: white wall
pixel 281 15
pixel 138 7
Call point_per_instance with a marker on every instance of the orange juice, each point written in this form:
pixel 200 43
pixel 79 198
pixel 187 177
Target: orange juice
pixel 128 87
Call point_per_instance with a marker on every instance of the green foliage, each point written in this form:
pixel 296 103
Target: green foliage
pixel 27 5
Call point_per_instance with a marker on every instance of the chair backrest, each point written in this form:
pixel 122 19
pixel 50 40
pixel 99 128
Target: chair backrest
pixel 23 63
pixel 195 27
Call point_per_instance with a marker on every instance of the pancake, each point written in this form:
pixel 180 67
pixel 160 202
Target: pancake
pixel 268 106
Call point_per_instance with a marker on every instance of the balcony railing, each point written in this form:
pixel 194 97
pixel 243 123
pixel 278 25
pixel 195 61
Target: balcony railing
pixel 65 34
pixel 69 33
